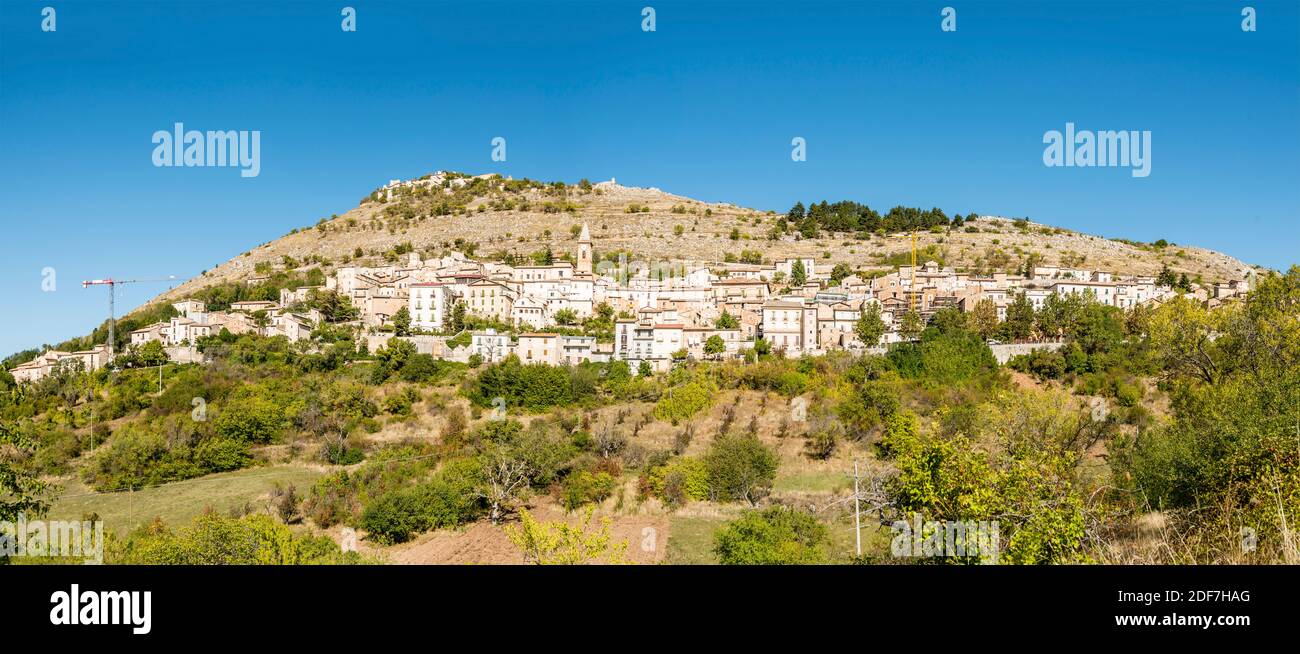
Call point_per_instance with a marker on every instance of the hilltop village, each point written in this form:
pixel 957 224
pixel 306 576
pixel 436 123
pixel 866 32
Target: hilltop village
pixel 661 311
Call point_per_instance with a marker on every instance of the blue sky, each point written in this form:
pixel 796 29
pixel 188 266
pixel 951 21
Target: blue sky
pixel 894 111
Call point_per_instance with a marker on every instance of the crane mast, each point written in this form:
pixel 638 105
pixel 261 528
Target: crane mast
pixel 912 296
pixel 112 285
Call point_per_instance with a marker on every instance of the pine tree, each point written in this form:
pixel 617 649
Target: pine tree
pixel 798 274
pixel 1166 277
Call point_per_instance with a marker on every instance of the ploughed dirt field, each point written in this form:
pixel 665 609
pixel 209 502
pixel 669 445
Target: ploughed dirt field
pixel 485 543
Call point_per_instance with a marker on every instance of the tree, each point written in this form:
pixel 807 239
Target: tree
pixel 948 320
pixel 1031 261
pixel 1166 277
pixel 911 326
pixel 774 536
pixel 152 354
pixel 870 327
pixel 644 370
pixel 333 306
pixel 559 543
pixel 685 400
pixel 839 272
pixel 250 419
pixel 21 491
pixel 1019 324
pixel 457 319
pixel 396 352
pixel 402 322
pixel 566 317
pixel 261 319
pixel 727 321
pixel 1060 313
pixel 506 475
pixel 798 275
pixel 740 468
pixel 984 319
pixel 714 347
pixel 808 227
pixel 1182 334
pixel 1025 479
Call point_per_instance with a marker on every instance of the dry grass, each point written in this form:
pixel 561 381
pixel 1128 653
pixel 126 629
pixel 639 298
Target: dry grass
pixel 178 502
pixel 704 238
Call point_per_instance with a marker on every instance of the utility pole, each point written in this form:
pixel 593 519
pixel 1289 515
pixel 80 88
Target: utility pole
pixel 857 513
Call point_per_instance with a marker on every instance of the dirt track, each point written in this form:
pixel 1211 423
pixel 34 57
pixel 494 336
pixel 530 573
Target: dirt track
pixel 484 543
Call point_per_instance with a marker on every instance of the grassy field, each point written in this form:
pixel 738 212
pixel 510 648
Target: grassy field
pixel 690 540
pixel 812 481
pixel 176 503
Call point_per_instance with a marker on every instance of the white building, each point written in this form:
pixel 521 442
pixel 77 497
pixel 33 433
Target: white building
pixel 791 326
pixel 429 304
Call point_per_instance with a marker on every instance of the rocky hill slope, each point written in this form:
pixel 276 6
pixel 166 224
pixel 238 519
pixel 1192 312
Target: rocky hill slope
pixel 490 216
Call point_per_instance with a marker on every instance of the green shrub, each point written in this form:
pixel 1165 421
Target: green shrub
pixel 534 386
pixel 213 539
pixel 774 536
pixel 449 499
pixel 140 455
pixel 740 468
pixel 680 480
pixel 585 487
pixel 685 400
pixel 251 419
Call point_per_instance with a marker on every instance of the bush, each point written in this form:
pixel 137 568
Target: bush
pixel 140 455
pixel 586 488
pixel 534 386
pixel 740 468
pixel 448 500
pixel 400 404
pixel 683 401
pixel 821 444
pixel 1028 487
pixel 680 480
pixel 250 419
pixel 212 539
pixel 942 359
pixel 775 536
pixel 423 368
pixel 1041 364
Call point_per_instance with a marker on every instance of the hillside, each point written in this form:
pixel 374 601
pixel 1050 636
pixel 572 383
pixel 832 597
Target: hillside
pixel 436 212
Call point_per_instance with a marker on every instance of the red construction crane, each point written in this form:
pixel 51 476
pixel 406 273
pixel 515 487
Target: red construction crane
pixel 112 284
